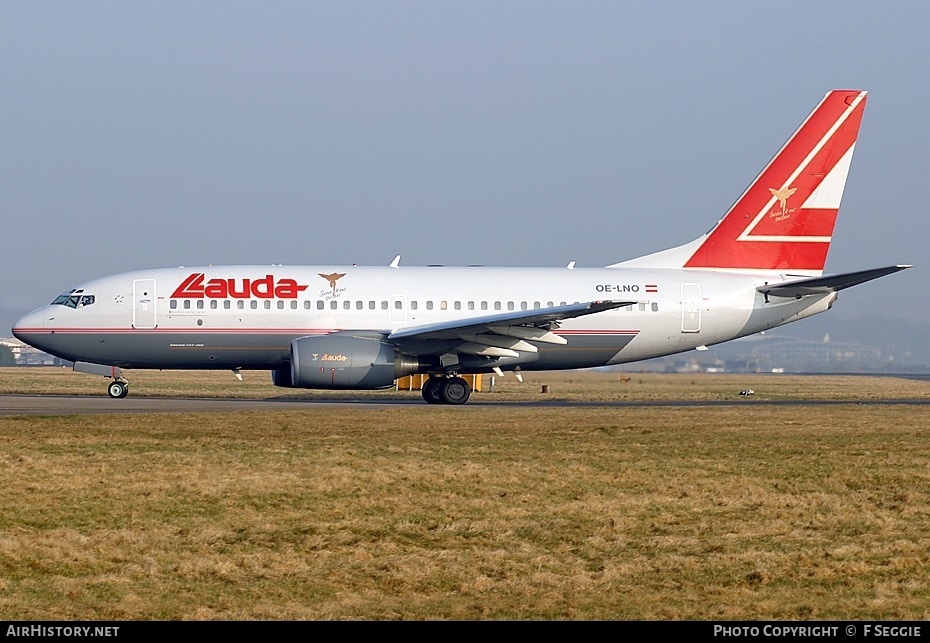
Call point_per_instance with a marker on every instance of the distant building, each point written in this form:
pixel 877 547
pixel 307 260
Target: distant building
pixel 26 355
pixel 798 356
pixel 763 354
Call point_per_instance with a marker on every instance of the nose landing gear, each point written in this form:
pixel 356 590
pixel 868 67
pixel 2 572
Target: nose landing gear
pixel 118 388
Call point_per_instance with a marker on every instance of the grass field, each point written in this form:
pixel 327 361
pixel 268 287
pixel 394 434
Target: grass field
pixel 580 386
pixel 486 511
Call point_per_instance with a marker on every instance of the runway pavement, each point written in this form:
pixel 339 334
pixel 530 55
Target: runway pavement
pixel 18 405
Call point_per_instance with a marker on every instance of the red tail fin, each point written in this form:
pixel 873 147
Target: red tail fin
pixel 785 219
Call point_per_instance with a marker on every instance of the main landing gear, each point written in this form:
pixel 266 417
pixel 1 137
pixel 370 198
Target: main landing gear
pixel 446 390
pixel 118 388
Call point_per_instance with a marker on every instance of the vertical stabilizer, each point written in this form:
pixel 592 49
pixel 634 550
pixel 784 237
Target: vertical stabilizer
pixel 784 220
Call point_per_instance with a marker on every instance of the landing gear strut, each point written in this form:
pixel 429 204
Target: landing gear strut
pixel 446 390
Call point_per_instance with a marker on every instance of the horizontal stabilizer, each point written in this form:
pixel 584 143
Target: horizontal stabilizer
pixel 824 285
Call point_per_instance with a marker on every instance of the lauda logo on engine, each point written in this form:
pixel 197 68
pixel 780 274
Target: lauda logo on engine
pixel 194 287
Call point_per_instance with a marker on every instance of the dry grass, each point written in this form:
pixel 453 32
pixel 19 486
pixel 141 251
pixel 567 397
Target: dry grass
pixel 481 512
pixel 580 386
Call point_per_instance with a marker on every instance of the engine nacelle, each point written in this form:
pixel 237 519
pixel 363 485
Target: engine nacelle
pixel 346 361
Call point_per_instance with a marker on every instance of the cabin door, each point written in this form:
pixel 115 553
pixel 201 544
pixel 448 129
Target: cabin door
pixel 690 308
pixel 143 298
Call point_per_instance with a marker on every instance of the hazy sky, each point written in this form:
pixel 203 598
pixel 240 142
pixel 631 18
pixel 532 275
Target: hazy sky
pixel 150 134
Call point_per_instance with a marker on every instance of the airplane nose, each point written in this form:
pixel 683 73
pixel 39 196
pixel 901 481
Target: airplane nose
pixel 29 322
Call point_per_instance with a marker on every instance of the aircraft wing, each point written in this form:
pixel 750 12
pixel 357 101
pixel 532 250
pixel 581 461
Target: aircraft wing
pixel 824 285
pixel 534 325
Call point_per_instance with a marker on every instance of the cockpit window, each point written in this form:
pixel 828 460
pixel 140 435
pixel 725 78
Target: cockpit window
pixel 74 299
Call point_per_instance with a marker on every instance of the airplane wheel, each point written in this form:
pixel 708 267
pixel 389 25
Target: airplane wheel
pixel 118 389
pixel 431 390
pixel 455 390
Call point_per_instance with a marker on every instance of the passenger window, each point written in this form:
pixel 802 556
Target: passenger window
pixel 187 304
pixel 509 305
pixel 443 305
pixel 213 304
pixel 497 305
pixel 523 305
pixel 384 305
pixel 457 305
pixel 429 305
pixel 253 304
pixel 334 304
pixel 371 304
pixel 655 307
pixel 307 304
pixel 484 305
pixel 294 305
pixel 413 305
pixel 359 304
pixel 200 304
pixel 347 305
pixel 398 305
pixel 240 304
pixel 267 305
pixel 642 306
pixel 227 304
pixel 320 304
pixel 173 304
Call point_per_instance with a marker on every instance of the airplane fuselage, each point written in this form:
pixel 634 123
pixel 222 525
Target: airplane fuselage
pixel 247 316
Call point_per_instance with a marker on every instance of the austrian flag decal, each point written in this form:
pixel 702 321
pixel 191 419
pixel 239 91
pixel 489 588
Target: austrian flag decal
pixel 267 287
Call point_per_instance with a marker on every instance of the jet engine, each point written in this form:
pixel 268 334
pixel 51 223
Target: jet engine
pixel 344 361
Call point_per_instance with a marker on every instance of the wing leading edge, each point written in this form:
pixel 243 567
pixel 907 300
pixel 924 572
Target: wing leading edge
pixel 533 325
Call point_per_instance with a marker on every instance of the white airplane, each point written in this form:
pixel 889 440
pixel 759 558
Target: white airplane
pixel 354 327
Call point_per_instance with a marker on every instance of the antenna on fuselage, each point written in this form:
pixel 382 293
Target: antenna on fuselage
pixel 396 262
